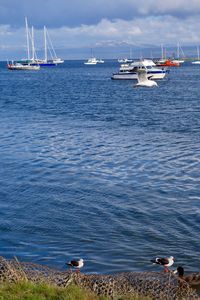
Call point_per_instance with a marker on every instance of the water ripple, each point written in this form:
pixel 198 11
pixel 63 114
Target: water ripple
pixel 94 168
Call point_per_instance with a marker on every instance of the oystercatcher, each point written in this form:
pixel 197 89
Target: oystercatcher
pixel 77 264
pixel 166 262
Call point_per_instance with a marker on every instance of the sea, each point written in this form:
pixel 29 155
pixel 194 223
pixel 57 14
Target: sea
pixel 97 169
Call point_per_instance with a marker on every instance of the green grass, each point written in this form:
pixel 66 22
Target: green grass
pixel 31 291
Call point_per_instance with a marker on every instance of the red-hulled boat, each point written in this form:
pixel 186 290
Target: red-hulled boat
pixel 167 63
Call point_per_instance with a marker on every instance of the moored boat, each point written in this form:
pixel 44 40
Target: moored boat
pixel 91 61
pixel 197 62
pixel 125 60
pixel 100 61
pixel 58 60
pixel 178 60
pixel 129 71
pixel 18 66
pixel 167 63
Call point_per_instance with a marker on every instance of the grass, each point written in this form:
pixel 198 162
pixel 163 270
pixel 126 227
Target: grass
pixel 30 291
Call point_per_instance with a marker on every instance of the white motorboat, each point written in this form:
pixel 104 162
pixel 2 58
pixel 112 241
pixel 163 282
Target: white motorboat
pixel 94 61
pixel 100 61
pixel 91 61
pixel 196 62
pixel 128 71
pixel 177 61
pixel 58 61
pixel 125 60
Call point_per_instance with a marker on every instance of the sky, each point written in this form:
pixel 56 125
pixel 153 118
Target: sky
pixel 76 26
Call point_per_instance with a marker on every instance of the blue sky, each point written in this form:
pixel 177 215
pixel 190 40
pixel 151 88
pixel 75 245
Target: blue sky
pixel 85 24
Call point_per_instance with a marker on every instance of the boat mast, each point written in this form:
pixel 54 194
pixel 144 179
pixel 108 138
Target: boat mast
pixel 51 45
pixel 178 50
pixel 162 52
pixel 33 46
pixel 198 52
pixel 130 53
pixel 92 55
pixel 45 44
pixel 27 39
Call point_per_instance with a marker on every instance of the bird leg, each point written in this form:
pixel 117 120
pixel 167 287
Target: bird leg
pixel 166 270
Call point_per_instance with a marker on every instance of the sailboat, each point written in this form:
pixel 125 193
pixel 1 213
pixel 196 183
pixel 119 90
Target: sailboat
pixel 43 62
pixel 196 62
pixel 24 64
pixel 164 62
pixel 22 67
pixel 178 60
pixel 56 60
pixel 27 60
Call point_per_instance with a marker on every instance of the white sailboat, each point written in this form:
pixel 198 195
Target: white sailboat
pixel 56 60
pixel 163 55
pixel 178 60
pixel 197 62
pixel 45 62
pixel 48 46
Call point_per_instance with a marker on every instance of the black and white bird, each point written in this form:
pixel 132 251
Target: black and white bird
pixel 165 262
pixel 77 264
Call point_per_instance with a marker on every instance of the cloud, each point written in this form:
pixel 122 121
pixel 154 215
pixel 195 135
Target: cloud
pixel 146 30
pixel 67 13
pixel 139 31
pixel 90 23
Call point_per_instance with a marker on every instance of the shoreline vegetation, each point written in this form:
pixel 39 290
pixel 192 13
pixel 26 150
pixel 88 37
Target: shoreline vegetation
pixel 29 281
pixel 26 290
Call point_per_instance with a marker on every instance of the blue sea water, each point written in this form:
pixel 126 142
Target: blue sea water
pixel 94 168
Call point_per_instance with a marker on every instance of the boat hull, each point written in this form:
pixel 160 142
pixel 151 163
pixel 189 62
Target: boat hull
pixel 167 63
pixel 197 62
pixel 88 63
pixel 41 64
pixel 133 75
pixel 23 68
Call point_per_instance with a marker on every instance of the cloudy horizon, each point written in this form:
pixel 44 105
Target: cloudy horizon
pixel 99 23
